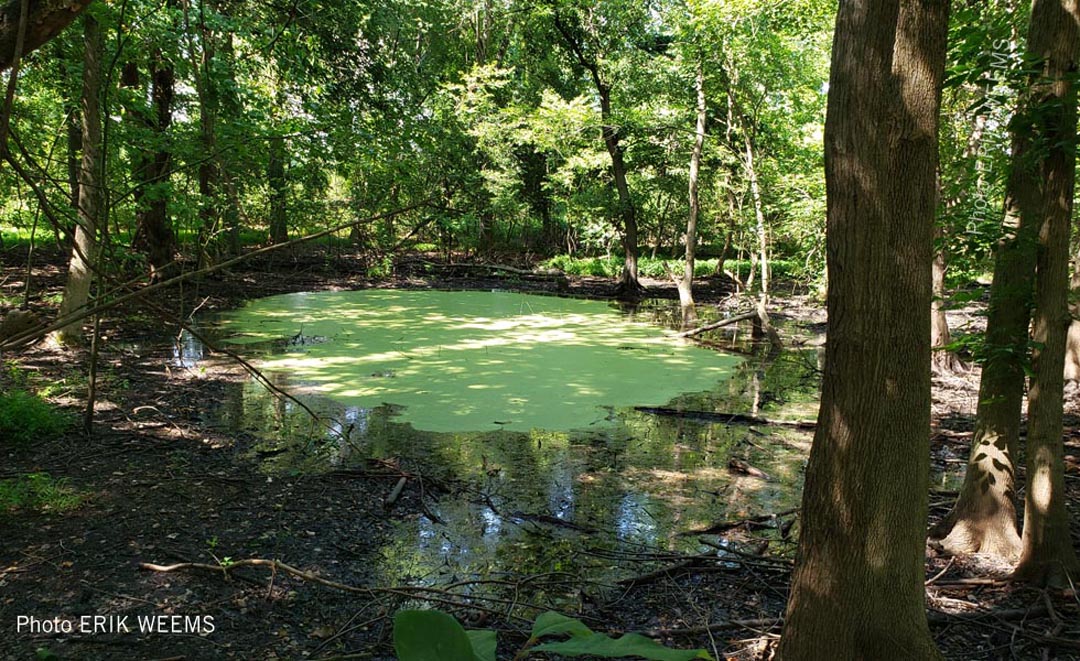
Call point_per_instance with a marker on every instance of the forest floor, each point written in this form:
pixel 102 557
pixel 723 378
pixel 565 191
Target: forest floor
pixel 160 485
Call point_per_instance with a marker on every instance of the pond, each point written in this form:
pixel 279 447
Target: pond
pixel 527 403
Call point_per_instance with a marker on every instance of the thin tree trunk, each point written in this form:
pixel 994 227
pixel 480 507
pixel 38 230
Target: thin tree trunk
pixel 1048 556
pixel 628 280
pixel 685 284
pixel 84 252
pixel 275 174
pixel 943 361
pixel 857 589
pixel 759 216
pixel 208 169
pixel 947 361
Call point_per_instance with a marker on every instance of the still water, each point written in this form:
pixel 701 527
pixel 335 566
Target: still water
pixel 526 403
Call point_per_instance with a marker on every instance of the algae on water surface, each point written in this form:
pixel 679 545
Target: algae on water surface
pixel 474 361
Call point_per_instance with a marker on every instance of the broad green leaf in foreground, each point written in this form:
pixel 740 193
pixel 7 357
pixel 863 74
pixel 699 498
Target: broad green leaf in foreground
pixel 428 635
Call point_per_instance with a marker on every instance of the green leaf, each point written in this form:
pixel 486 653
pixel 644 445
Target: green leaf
pixel 631 644
pixel 483 644
pixel 551 623
pixel 430 635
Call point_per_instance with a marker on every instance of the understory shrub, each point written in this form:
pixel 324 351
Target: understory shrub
pixel 25 417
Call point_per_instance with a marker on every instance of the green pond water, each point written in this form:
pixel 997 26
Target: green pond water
pixel 526 404
pixel 474 361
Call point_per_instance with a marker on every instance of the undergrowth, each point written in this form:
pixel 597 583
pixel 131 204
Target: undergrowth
pixel 650 267
pixel 25 417
pixel 38 491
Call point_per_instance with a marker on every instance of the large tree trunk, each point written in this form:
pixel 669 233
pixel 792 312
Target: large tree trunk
pixel 84 251
pixel 206 88
pixel 1048 556
pixel 686 283
pixel 857 589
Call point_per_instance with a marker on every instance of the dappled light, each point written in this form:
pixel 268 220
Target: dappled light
pixel 473 361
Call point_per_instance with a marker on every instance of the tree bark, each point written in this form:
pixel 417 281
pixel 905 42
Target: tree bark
pixel 686 283
pixel 47 18
pixel 153 232
pixel 1048 556
pixel 944 361
pixel 84 251
pixel 857 589
pixel 279 228
pixel 984 517
pixel 628 280
pixel 759 216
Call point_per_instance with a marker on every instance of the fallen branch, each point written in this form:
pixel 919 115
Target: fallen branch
pixel 725 418
pixel 718 324
pixel 759 521
pixel 761 624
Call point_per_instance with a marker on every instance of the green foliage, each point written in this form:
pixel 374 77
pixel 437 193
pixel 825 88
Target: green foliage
pixel 610 267
pixel 431 635
pixel 38 491
pixel 25 417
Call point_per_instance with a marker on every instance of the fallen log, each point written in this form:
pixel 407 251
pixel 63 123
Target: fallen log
pixel 725 418
pixel 719 324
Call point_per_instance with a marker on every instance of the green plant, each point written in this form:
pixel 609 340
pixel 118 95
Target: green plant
pixel 431 635
pixel 38 491
pixel 25 417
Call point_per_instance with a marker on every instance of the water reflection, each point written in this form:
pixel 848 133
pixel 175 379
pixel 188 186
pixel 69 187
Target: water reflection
pixel 533 499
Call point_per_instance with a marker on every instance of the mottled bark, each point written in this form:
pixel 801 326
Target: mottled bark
pixel 1048 556
pixel 857 589
pixel 84 252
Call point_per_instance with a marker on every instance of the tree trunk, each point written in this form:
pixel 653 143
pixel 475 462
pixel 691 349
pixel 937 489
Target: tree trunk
pixel 628 281
pixel 984 517
pixel 1072 344
pixel 685 284
pixel 857 589
pixel 759 216
pixel 1048 556
pixel 279 229
pixel 206 88
pixel 943 361
pixel 46 20
pixel 84 252
pixel 153 232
